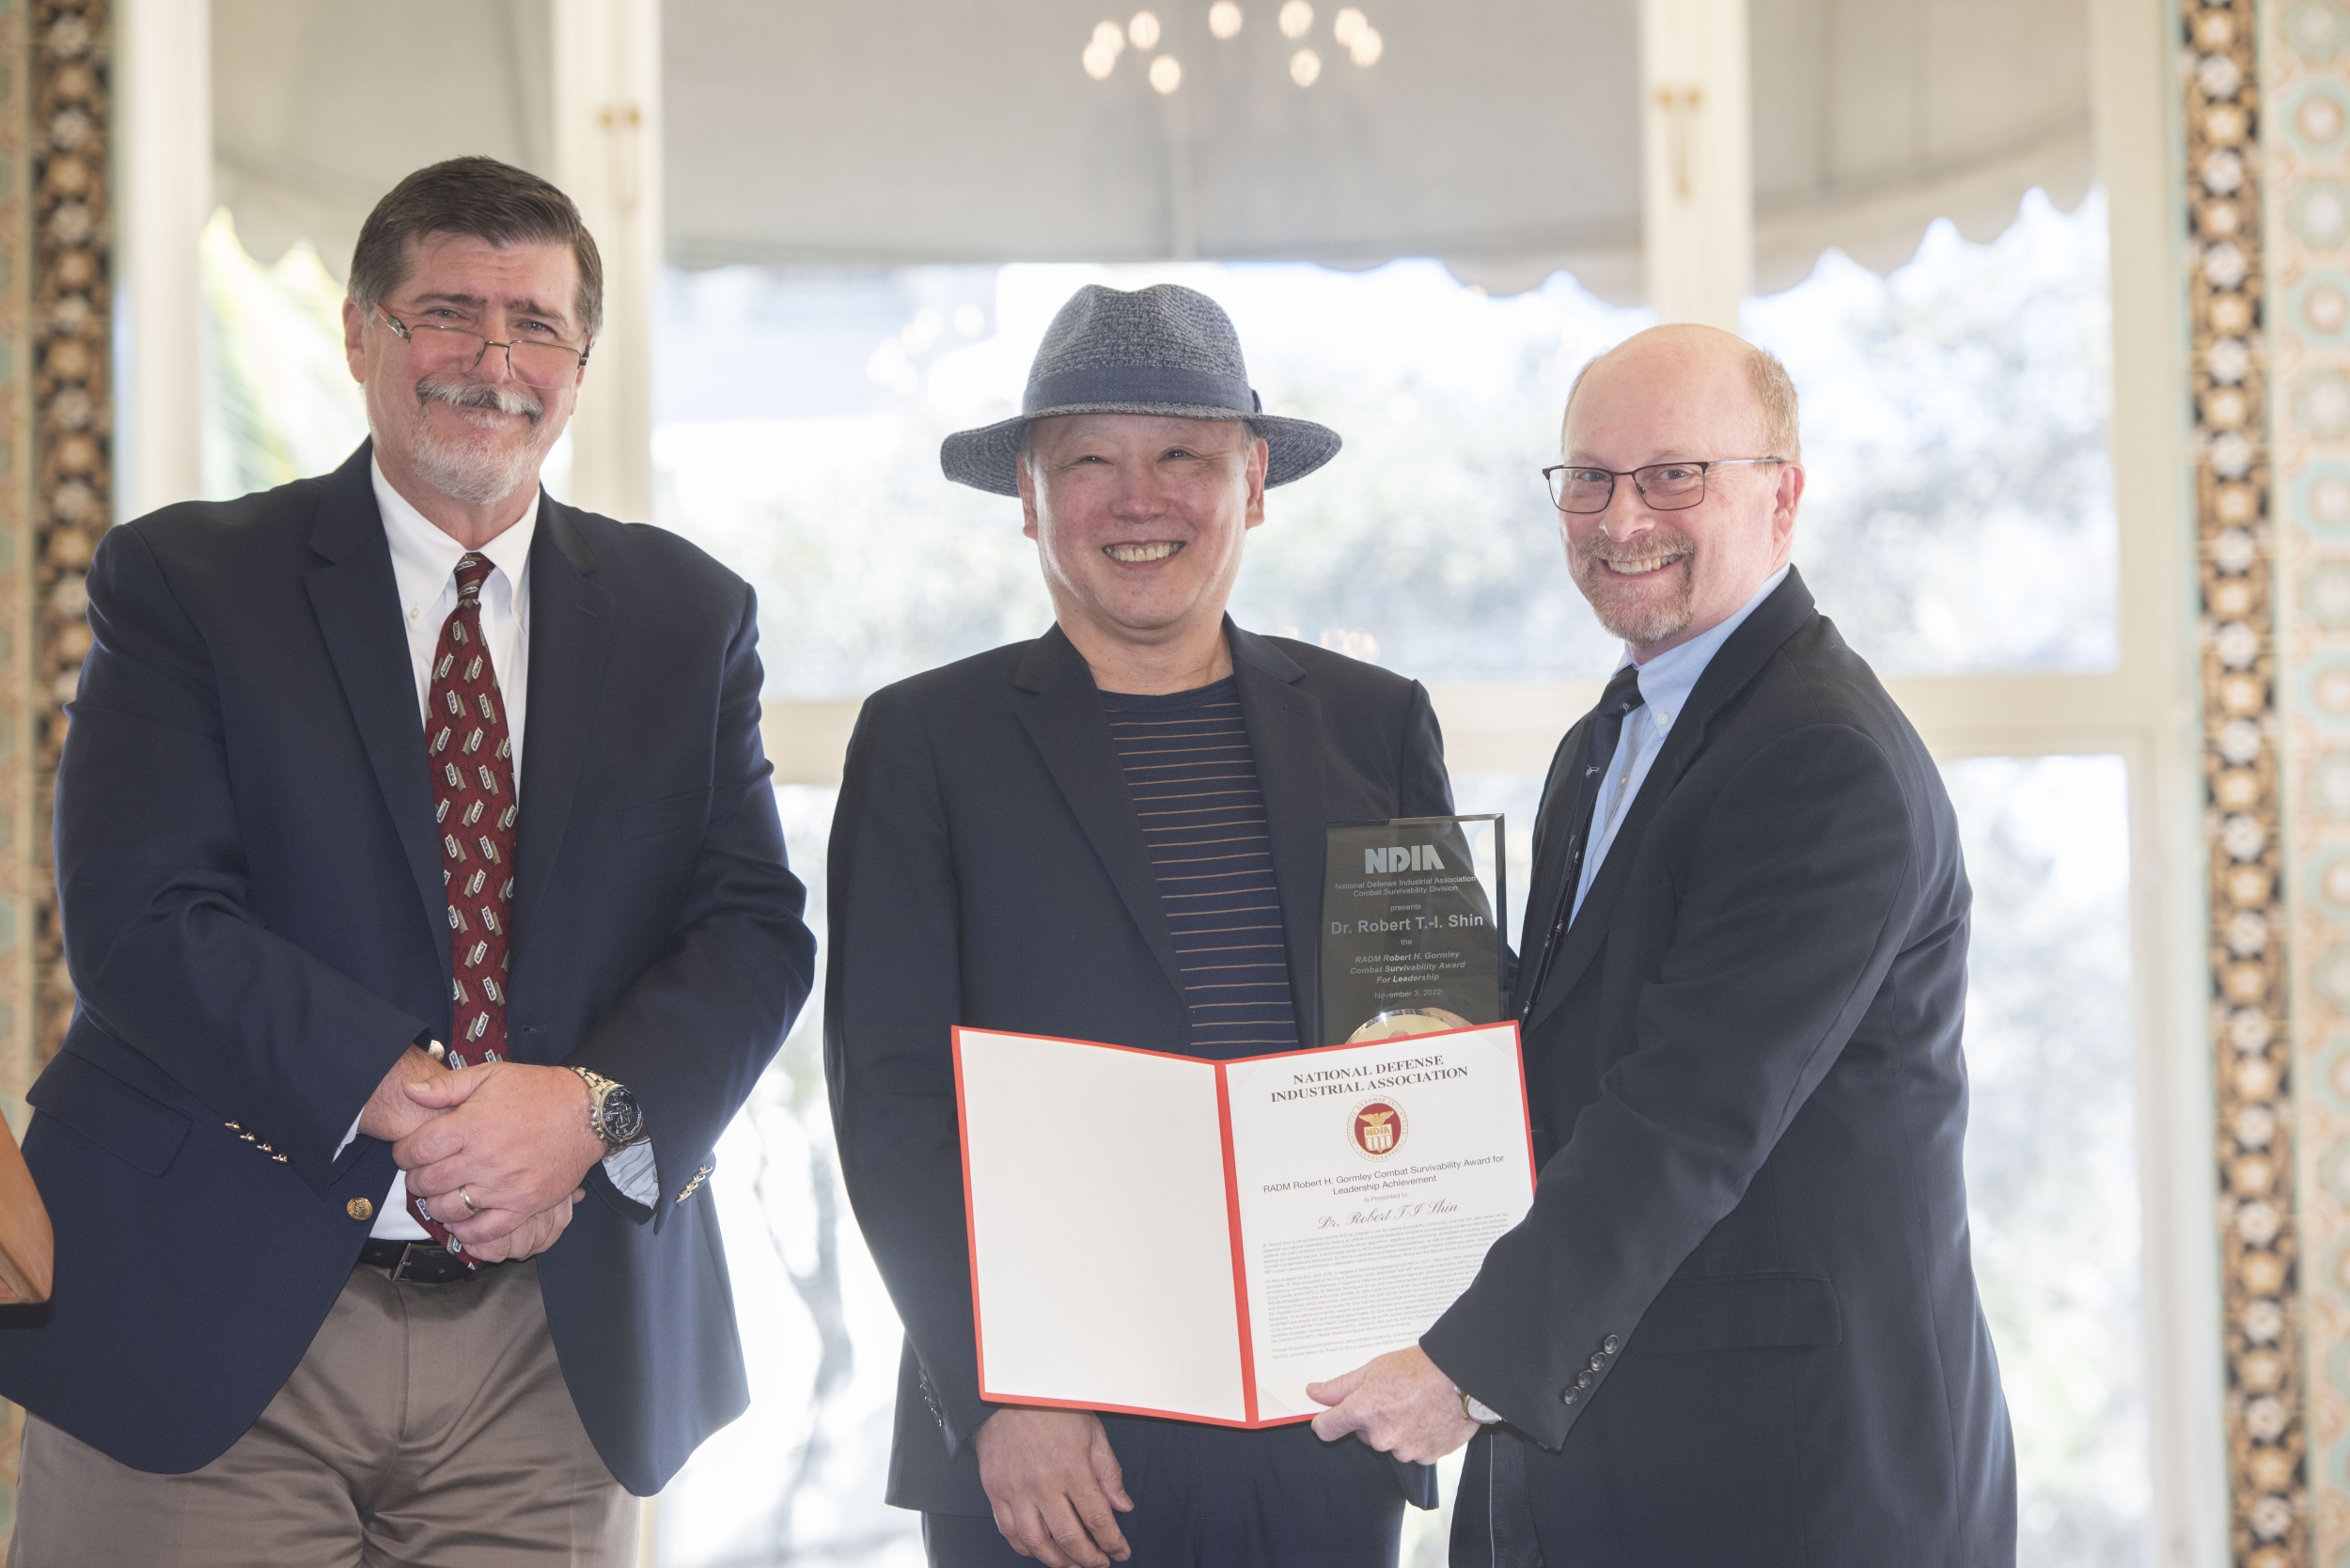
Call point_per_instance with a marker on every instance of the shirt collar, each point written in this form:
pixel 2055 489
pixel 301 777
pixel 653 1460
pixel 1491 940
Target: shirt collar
pixel 1667 681
pixel 424 559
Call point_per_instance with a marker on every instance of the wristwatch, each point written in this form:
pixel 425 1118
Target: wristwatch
pixel 1476 1409
pixel 612 1113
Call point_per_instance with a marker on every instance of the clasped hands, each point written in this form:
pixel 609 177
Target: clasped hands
pixel 514 1139
pixel 1056 1489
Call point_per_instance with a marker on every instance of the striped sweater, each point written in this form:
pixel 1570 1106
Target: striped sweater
pixel 1193 778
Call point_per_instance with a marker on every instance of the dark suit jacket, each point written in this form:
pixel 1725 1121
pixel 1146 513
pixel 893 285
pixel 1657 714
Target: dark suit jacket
pixel 988 869
pixel 255 919
pixel 1740 1324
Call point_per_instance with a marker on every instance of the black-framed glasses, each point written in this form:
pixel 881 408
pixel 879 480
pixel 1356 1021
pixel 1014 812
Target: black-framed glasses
pixel 543 364
pixel 1664 486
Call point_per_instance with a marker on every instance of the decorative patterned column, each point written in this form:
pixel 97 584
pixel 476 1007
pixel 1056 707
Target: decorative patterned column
pixel 2289 1397
pixel 2253 1070
pixel 74 310
pixel 55 480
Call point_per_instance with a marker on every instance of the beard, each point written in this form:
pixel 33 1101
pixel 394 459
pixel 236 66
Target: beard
pixel 489 465
pixel 1636 611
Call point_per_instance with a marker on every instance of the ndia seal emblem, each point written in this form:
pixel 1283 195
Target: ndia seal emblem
pixel 1378 1128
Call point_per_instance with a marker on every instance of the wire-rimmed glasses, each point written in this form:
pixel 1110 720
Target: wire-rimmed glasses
pixel 1664 486
pixel 543 364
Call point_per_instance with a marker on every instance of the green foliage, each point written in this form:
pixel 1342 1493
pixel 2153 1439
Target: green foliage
pixel 279 402
pixel 1960 515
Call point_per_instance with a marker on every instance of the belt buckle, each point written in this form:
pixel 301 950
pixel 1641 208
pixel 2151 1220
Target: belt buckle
pixel 414 1253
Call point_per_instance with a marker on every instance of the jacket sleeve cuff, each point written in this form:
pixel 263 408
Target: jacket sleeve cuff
pixel 599 1181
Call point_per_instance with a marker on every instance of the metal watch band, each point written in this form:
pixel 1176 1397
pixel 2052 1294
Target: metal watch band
pixel 600 1090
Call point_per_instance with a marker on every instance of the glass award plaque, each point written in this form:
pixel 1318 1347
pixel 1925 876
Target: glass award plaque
pixel 1411 943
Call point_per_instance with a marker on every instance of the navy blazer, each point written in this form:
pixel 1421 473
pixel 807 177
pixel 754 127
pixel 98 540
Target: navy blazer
pixel 1740 1322
pixel 988 869
pixel 254 920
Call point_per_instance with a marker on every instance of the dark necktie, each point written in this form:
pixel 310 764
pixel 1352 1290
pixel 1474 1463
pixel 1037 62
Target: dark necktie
pixel 472 759
pixel 1599 749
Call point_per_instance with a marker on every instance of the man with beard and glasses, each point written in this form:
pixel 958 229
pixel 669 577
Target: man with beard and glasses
pixel 1740 1324
pixel 426 899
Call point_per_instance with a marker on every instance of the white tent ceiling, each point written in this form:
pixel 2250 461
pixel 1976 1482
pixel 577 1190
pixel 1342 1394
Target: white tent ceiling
pixel 319 106
pixel 1500 136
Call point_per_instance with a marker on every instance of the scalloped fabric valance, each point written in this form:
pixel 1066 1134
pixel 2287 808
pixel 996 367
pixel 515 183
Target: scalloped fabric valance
pixel 1501 136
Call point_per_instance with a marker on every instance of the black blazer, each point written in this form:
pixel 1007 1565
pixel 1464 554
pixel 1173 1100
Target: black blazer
pixel 1740 1324
pixel 255 919
pixel 988 869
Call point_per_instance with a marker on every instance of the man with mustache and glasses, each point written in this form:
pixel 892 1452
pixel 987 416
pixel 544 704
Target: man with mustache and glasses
pixel 1740 1324
pixel 426 899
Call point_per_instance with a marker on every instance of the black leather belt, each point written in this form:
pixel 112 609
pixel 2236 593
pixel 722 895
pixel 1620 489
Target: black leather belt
pixel 416 1263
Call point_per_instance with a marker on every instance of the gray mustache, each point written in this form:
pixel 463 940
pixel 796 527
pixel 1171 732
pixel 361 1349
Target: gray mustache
pixel 469 394
pixel 1599 547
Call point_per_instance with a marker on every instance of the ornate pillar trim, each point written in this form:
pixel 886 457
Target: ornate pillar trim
pixel 2236 560
pixel 73 391
pixel 57 457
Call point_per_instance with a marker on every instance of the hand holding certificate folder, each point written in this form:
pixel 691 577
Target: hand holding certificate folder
pixel 1246 1227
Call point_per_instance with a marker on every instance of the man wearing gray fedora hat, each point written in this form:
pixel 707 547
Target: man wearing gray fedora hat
pixel 1113 832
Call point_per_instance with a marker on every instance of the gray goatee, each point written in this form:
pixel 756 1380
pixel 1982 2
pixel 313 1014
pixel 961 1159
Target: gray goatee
pixel 1617 605
pixel 489 468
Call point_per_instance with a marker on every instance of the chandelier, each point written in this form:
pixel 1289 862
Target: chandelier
pixel 1351 32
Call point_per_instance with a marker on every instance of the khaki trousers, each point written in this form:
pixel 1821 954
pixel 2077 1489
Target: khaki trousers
pixel 426 1425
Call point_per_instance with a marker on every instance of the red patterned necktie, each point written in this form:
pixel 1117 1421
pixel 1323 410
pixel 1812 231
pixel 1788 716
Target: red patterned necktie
pixel 472 758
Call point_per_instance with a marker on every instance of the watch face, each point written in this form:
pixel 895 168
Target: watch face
pixel 623 1118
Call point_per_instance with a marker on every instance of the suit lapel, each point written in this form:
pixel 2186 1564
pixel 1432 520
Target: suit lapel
pixel 1735 663
pixel 1062 709
pixel 1285 734
pixel 357 601
pixel 570 629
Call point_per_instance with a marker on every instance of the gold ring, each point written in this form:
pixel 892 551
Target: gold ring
pixel 466 1197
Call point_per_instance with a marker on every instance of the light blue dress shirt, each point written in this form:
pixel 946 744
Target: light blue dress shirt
pixel 1666 682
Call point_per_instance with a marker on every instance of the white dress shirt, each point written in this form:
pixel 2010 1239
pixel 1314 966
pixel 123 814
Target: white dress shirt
pixel 424 565
pixel 1666 682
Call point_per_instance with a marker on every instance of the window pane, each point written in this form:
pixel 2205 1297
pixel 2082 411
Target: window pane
pixel 2051 1144
pixel 799 415
pixel 278 400
pixel 796 438
pixel 1430 544
pixel 799 1478
pixel 1515 795
pixel 1959 515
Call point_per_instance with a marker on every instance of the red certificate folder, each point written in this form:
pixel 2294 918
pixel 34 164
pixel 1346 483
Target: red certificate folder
pixel 1171 1236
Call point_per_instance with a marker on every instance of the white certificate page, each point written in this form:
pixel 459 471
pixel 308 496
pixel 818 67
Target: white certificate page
pixel 1102 1252
pixel 1370 1181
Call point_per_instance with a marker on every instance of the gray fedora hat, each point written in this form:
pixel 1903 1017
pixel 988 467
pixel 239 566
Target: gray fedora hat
pixel 1164 349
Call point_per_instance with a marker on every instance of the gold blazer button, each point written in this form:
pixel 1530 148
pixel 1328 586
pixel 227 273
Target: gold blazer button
pixel 360 1210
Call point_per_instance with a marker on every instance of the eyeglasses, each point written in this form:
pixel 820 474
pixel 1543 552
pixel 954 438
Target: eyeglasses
pixel 1664 486
pixel 545 365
